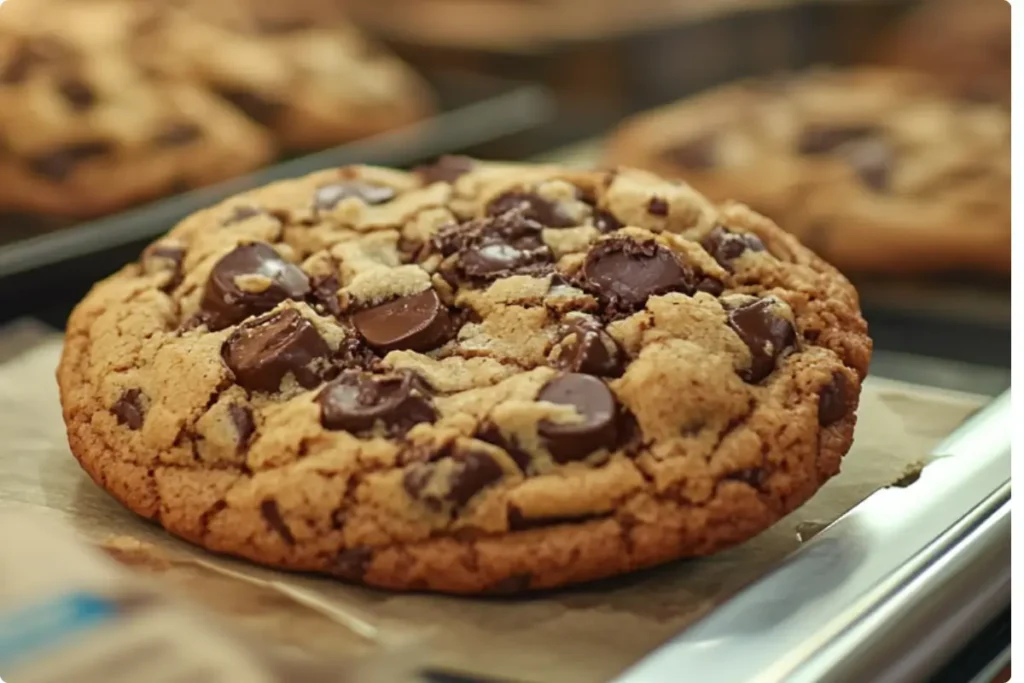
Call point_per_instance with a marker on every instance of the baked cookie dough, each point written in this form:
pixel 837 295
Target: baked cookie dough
pixel 470 378
pixel 875 170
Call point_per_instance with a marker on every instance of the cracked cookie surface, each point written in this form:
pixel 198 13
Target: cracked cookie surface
pixel 474 377
pixel 875 170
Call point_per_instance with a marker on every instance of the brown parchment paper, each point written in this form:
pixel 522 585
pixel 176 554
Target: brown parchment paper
pixel 579 635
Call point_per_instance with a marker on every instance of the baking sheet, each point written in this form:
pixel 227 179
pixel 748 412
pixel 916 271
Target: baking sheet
pixel 580 635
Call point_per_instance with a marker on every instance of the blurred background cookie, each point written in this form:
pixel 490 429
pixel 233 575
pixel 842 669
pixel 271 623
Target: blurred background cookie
pixel 963 43
pixel 875 170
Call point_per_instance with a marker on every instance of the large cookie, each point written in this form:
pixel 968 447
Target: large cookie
pixel 874 170
pixel 470 378
pixel 85 131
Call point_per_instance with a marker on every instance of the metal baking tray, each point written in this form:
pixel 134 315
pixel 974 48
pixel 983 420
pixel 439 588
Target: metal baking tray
pixel 887 593
pixel 55 265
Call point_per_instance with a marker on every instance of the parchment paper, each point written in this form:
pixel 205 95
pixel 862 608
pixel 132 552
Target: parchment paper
pixel 584 634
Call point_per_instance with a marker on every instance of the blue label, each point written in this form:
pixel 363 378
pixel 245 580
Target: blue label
pixel 27 630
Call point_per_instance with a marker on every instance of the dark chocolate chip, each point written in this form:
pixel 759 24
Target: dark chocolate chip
pixel 605 221
pixel 470 473
pixel 240 213
pixel 832 402
pixel 595 404
pixel 328 196
pixel 60 163
pixel 178 135
pixel 272 516
pixel 698 154
pixel 872 159
pixel 416 323
pixel 753 476
pixel 228 299
pixel 766 334
pixel 325 294
pixel 241 418
pixel 725 246
pixel 825 139
pixel 491 248
pixel 624 273
pixel 447 169
pixel 517 521
pixel 262 351
pixel 355 402
pixel 351 564
pixel 586 347
pixel 77 92
pixel 263 110
pixel 657 207
pixel 129 409
pixel 474 472
pixel 490 433
pixel 533 206
pixel 711 286
pixel 353 353
pixel 160 256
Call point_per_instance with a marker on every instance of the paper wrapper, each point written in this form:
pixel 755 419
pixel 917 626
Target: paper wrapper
pixel 589 633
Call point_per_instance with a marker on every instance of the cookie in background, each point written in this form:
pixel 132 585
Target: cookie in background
pixel 965 44
pixel 876 170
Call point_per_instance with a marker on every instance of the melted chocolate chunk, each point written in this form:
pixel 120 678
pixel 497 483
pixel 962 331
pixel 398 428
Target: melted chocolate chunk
pixel 597 407
pixel 329 196
pixel 657 207
pixel 416 323
pixel 261 352
pixel 698 154
pixel 447 169
pixel 470 474
pixel 490 433
pixel 77 92
pixel 725 246
pixel 263 110
pixel 271 514
pixel 353 353
pixel 129 409
pixel 623 274
pixel 178 135
pixel 517 521
pixel 533 206
pixel 59 164
pixel 832 401
pixel 355 402
pixel 325 294
pixel 241 418
pixel 351 564
pixel 766 334
pixel 586 347
pixel 158 257
pixel 248 281
pixel 605 221
pixel 826 139
pixel 492 248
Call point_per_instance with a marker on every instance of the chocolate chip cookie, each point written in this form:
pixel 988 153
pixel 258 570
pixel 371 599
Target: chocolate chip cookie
pixel 83 131
pixel 297 69
pixel 469 378
pixel 874 170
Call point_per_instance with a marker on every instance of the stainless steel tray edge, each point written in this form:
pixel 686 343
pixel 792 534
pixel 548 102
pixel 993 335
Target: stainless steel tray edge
pixel 828 612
